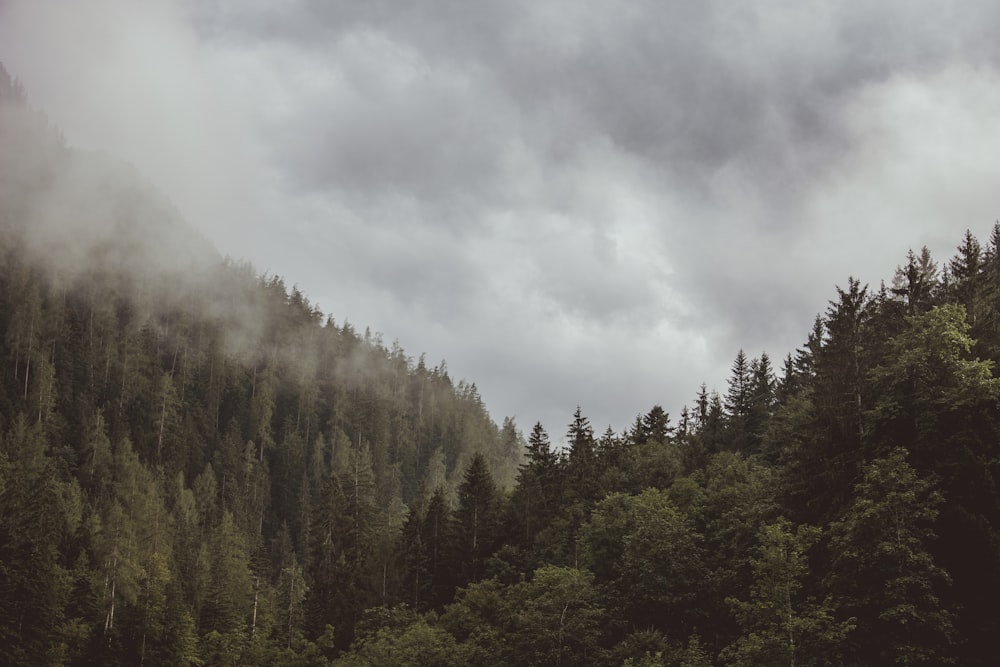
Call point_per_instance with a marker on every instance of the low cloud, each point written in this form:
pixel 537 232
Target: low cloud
pixel 574 204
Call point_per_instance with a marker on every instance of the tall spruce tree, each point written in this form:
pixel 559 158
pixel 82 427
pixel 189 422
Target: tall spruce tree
pixel 476 522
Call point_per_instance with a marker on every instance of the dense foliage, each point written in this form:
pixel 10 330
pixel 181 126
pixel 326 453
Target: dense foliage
pixel 197 467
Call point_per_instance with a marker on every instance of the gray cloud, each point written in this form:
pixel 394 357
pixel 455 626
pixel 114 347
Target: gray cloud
pixel 593 203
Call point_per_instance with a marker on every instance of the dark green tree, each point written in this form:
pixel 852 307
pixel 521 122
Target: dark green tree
pixel 535 498
pixel 883 570
pixel 738 403
pixel 781 626
pixel 33 585
pixel 476 522
pixel 968 280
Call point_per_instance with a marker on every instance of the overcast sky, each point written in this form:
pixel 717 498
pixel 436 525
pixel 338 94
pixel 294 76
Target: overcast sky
pixel 577 202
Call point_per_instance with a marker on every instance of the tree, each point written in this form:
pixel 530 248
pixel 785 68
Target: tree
pixel 656 425
pixel 737 401
pixel 779 626
pixel 916 283
pixel 736 496
pixel 841 363
pixel 331 579
pixel 929 389
pixel 650 556
pixel 552 619
pixel 476 521
pixel 229 603
pixel 761 401
pixel 436 539
pixel 418 644
pixel 536 494
pixel 966 270
pixel 806 357
pixel 829 426
pixel 883 571
pixel 582 457
pixel 33 584
pixel 988 328
pixel 556 618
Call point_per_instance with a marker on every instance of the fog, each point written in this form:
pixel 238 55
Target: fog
pixel 572 205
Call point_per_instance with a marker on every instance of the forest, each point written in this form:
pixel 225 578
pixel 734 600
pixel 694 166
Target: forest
pixel 198 467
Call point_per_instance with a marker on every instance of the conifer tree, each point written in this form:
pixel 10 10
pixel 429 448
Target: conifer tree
pixel 32 525
pixel 916 283
pixel 534 499
pixel 476 522
pixel 581 459
pixel 761 401
pixel 968 284
pixel 656 425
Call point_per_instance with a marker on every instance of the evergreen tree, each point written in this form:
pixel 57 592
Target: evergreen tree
pixel 32 528
pixel 737 403
pixel 476 522
pixel 761 400
pixel 534 499
pixel 436 539
pixel 966 271
pixel 582 457
pixel 916 283
pixel 656 425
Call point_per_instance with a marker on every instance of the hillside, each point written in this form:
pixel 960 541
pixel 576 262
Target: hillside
pixel 199 467
pixel 132 350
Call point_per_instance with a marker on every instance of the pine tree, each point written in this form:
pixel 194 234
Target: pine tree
pixel 32 525
pixel 581 460
pixel 436 539
pixel 534 499
pixel 966 270
pixel 738 394
pixel 916 283
pixel 476 522
pixel 761 401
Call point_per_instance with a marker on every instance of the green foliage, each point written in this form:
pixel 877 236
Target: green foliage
pixel 557 618
pixel 553 619
pixel 198 467
pixel 416 645
pixel 475 531
pixel 779 626
pixel 649 557
pixel 695 654
pixel 33 527
pixel 883 570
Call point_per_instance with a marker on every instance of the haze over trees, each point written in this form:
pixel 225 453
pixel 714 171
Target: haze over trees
pixel 199 467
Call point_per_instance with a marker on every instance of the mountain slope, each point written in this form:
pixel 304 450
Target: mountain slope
pixel 163 411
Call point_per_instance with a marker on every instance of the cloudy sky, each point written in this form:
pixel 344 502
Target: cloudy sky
pixel 573 202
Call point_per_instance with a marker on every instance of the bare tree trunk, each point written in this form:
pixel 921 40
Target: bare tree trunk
pixel 256 594
pixel 109 618
pixel 163 421
pixel 27 365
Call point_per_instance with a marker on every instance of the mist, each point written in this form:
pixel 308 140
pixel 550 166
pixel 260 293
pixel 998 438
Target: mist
pixel 574 208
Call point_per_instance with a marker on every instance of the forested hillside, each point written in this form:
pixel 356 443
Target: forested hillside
pixel 198 467
pixel 176 428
